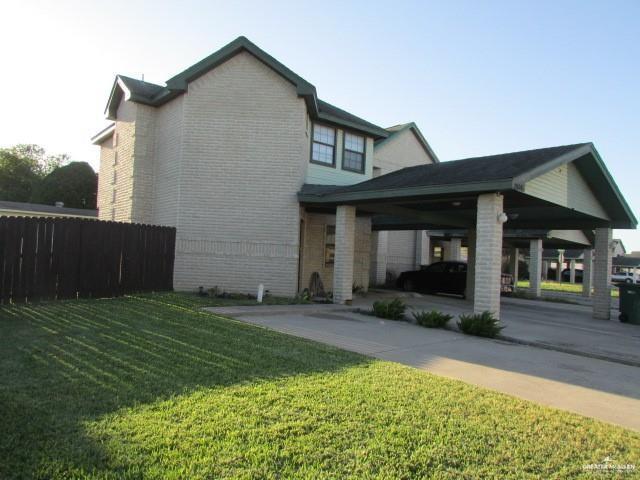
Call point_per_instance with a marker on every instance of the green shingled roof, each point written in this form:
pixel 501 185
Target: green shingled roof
pixel 499 173
pixel 156 95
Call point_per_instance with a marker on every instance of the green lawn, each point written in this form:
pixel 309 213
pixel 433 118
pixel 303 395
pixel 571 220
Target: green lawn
pixel 152 387
pixel 563 287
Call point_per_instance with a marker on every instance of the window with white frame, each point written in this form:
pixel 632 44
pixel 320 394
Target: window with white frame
pixel 353 157
pixel 323 147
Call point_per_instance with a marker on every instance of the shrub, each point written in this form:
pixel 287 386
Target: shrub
pixel 481 325
pixel 389 309
pixel 432 319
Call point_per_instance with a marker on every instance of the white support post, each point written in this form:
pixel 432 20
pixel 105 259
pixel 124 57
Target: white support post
pixel 344 254
pixel 572 271
pixel 488 254
pixel 514 257
pixel 560 265
pixel 535 267
pixel 587 272
pixel 379 243
pixel 423 248
pixel 455 249
pixel 602 274
pixel 471 264
pixel 545 269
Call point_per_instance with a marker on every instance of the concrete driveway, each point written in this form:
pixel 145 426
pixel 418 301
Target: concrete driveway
pixel 601 389
pixel 559 326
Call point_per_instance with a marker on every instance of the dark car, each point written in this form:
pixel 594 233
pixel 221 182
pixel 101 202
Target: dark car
pixel 439 277
pixel 566 275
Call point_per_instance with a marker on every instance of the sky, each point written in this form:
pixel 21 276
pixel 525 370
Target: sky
pixel 478 77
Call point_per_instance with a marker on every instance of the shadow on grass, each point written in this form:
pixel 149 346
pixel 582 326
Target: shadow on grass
pixel 63 364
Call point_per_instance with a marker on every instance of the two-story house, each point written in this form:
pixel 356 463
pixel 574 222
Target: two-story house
pixel 267 184
pixel 221 151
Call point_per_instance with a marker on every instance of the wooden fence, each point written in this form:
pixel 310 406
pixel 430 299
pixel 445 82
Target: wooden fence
pixel 52 258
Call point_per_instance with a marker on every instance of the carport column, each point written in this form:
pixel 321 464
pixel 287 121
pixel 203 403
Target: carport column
pixel 513 265
pixel 535 266
pixel 545 269
pixel 560 266
pixel 488 255
pixel 423 247
pixel 379 242
pixel 455 249
pixel 587 272
pixel 572 271
pixel 344 254
pixel 602 275
pixel 471 263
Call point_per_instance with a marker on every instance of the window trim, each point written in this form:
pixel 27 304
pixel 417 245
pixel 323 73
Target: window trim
pixel 335 147
pixel 325 245
pixel 364 152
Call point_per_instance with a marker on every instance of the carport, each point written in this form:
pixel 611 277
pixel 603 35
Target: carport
pixel 566 188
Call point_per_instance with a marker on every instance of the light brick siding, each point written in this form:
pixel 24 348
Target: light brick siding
pixel 243 161
pixel 488 254
pixel 105 189
pixel 345 244
pixel 535 266
pixel 587 272
pixel 313 251
pixel 167 162
pixel 602 274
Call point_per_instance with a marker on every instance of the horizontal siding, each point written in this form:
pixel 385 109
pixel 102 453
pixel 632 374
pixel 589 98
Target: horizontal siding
pixel 567 187
pixel 322 175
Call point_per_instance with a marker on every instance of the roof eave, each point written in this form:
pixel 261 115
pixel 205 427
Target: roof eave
pixel 103 134
pixel 407 192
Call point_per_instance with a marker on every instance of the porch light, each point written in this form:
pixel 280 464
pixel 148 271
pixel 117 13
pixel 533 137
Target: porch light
pixel 502 217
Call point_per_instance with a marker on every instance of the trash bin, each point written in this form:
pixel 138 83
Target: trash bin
pixel 629 303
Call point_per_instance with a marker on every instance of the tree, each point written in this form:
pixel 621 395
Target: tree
pixel 43 164
pixel 18 176
pixel 74 184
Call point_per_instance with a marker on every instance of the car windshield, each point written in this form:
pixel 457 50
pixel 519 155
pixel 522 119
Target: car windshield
pixel 437 267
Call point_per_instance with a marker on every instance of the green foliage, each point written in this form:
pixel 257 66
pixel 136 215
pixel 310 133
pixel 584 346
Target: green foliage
pixel 389 309
pixel 28 174
pixel 432 319
pixel 481 325
pixel 75 184
pixel 152 386
pixel 18 176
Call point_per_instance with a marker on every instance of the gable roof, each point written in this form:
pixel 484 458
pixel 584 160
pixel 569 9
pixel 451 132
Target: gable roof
pixel 504 172
pixel 403 127
pixel 156 95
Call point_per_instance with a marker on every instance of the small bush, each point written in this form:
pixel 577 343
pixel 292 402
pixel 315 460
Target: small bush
pixel 433 319
pixel 389 309
pixel 481 325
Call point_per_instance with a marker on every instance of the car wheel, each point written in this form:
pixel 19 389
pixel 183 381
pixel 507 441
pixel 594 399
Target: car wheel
pixel 627 280
pixel 408 285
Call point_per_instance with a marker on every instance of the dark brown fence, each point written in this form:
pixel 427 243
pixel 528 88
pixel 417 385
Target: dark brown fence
pixel 51 258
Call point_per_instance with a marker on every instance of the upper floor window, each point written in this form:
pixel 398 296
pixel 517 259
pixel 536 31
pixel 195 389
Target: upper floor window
pixel 353 158
pixel 323 148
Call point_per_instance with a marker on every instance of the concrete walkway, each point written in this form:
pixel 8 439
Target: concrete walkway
pixel 600 389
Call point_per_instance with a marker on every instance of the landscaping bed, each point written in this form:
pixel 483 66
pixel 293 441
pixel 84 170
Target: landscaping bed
pixel 151 386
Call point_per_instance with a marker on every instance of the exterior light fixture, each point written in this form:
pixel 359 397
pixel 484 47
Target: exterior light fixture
pixel 502 217
pixel 456 204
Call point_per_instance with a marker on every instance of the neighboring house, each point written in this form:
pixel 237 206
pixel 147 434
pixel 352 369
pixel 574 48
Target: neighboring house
pixel 21 209
pixel 221 153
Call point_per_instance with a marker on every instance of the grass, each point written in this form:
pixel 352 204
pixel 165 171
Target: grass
pixel 152 387
pixel 563 287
